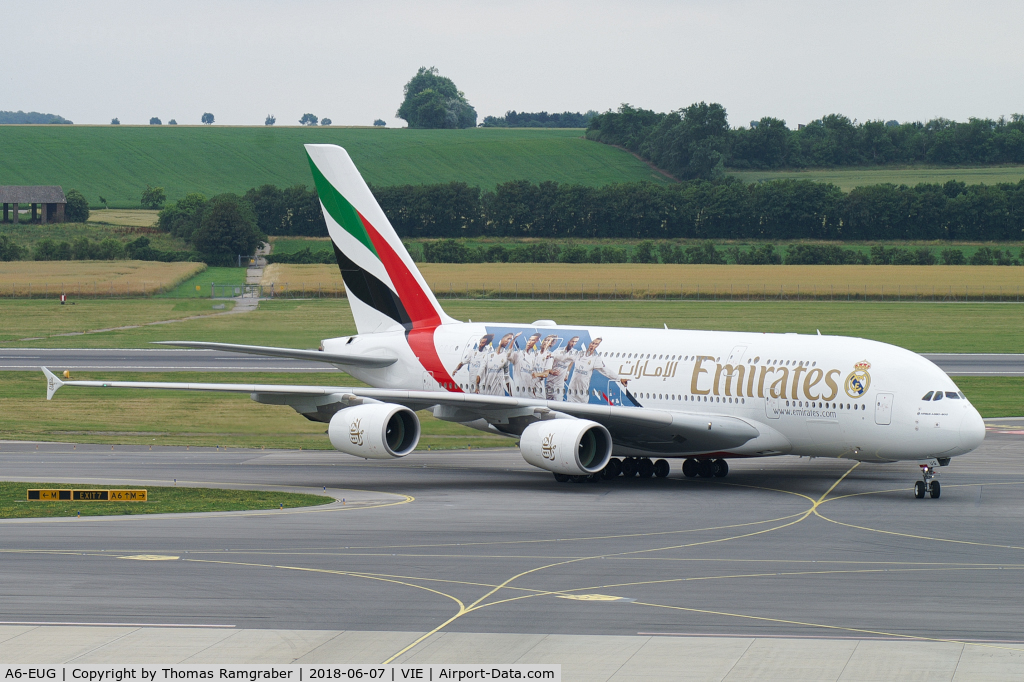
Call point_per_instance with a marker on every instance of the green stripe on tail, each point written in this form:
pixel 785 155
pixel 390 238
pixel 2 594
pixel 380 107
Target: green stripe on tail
pixel 338 207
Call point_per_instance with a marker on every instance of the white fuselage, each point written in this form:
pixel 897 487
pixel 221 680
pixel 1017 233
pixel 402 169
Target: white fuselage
pixel 817 396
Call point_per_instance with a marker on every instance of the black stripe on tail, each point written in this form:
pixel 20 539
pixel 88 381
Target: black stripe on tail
pixel 370 290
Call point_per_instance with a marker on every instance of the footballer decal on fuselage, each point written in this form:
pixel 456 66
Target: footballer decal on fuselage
pixel 562 365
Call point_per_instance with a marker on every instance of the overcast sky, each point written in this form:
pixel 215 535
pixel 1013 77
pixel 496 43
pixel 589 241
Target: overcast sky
pixel 90 61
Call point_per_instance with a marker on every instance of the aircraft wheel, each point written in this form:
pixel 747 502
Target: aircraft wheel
pixel 722 468
pixel 706 468
pixel 661 468
pixel 561 478
pixel 629 466
pixel 613 468
pixel 645 467
pixel 919 489
pixel 578 479
pixel 691 467
pixel 934 489
pixel 594 478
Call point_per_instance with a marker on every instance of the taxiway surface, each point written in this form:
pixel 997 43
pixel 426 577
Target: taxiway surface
pixel 480 542
pixel 179 360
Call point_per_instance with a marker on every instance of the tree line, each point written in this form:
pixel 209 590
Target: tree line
pixel 697 141
pixel 697 209
pixel 704 253
pixel 540 119
pixel 13 117
pixel 84 248
pixel 700 209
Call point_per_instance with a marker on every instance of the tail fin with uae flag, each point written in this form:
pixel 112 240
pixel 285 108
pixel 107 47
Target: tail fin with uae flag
pixel 385 289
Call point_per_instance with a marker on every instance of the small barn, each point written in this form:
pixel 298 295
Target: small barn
pixel 47 202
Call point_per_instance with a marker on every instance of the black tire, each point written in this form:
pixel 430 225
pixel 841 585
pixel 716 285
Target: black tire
pixel 691 467
pixel 919 489
pixel 645 467
pixel 613 468
pixel 707 468
pixel 578 479
pixel 561 478
pixel 661 468
pixel 596 477
pixel 934 489
pixel 722 468
pixel 629 467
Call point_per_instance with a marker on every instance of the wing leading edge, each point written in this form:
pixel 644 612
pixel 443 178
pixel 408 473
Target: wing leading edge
pixel 647 428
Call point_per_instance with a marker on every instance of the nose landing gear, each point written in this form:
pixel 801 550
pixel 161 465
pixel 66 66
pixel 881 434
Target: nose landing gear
pixel 928 484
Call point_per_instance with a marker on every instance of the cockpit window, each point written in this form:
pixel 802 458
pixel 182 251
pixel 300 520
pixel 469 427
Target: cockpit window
pixel 938 395
pixel 952 394
pixel 962 395
pixel 928 395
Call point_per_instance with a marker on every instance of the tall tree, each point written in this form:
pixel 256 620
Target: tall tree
pixel 228 228
pixel 153 197
pixel 433 101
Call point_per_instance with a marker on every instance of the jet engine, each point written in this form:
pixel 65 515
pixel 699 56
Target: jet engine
pixel 375 431
pixel 574 447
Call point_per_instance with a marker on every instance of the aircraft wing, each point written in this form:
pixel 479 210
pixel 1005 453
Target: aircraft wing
pixel 650 429
pixel 369 361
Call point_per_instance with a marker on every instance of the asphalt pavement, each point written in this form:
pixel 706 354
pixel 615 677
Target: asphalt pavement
pixel 182 360
pixel 480 542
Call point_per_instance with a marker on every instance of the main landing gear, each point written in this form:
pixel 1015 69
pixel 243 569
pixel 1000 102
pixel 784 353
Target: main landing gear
pixel 928 484
pixel 705 468
pixel 627 467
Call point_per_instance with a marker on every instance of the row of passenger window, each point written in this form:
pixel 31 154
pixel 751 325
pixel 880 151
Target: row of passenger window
pixel 937 395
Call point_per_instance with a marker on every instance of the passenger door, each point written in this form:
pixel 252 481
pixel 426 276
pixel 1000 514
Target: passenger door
pixel 736 356
pixel 883 409
pixel 772 407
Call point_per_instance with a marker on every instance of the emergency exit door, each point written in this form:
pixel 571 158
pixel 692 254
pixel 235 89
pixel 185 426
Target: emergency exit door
pixel 883 409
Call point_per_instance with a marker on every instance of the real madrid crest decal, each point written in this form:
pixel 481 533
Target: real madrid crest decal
pixel 858 380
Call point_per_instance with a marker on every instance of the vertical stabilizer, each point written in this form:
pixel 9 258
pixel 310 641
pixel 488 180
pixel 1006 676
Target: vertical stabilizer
pixel 384 287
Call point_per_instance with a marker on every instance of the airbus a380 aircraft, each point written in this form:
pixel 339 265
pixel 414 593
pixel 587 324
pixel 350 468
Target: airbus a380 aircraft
pixel 579 398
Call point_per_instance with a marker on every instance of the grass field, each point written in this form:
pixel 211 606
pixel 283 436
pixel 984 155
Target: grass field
pixel 137 417
pixel 994 396
pixel 162 500
pixel 117 162
pixel 92 278
pixel 173 418
pixel 730 282
pixel 923 327
pixel 204 280
pixel 46 321
pixel 847 179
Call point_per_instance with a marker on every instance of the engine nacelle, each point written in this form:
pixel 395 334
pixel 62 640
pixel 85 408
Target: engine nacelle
pixel 375 431
pixel 574 447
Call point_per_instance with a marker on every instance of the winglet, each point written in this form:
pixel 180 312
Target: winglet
pixel 52 383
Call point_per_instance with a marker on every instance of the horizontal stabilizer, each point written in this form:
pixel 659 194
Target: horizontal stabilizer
pixel 368 361
pixel 52 383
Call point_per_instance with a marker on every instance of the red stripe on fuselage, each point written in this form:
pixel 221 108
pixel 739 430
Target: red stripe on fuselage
pixel 424 317
pixel 422 343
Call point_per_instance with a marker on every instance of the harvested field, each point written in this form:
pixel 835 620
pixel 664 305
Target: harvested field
pixel 132 218
pixel 81 279
pixel 719 282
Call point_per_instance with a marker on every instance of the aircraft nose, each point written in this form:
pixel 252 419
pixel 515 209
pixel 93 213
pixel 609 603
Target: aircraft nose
pixel 972 430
